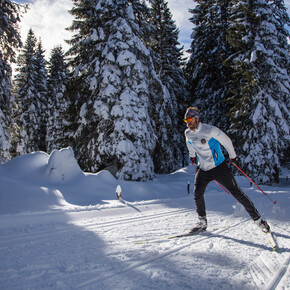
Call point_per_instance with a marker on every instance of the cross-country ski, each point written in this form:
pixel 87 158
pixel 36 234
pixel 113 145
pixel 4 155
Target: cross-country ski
pixel 183 235
pixel 272 241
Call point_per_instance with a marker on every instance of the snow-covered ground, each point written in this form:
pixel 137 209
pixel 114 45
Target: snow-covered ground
pixel 61 228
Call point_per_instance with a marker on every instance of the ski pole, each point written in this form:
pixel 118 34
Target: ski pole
pixel 275 202
pixel 188 185
pixel 221 186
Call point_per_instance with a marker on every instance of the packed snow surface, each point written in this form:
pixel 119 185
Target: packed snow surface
pixel 61 228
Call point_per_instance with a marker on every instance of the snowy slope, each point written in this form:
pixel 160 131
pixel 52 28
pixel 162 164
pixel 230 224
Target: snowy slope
pixel 61 228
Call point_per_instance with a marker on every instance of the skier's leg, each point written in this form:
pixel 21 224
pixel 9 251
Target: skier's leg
pixel 200 183
pixel 224 175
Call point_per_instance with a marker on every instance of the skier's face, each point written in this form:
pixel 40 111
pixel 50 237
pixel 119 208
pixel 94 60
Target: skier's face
pixel 192 123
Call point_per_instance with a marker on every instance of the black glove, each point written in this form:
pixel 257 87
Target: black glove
pixel 193 160
pixel 235 160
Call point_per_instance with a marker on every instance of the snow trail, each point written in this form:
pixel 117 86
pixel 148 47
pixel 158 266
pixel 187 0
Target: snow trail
pixel 74 234
pixel 94 249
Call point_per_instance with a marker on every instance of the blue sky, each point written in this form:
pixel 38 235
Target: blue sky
pixel 49 18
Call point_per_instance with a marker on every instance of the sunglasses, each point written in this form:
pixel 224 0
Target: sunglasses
pixel 188 119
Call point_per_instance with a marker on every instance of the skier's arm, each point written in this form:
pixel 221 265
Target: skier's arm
pixel 225 141
pixel 190 148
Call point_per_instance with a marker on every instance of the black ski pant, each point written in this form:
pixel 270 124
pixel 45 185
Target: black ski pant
pixel 225 177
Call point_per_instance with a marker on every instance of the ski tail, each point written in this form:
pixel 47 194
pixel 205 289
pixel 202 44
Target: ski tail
pixel 272 241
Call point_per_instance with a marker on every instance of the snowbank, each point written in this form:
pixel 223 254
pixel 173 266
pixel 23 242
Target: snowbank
pixel 26 167
pixel 38 181
pixel 62 166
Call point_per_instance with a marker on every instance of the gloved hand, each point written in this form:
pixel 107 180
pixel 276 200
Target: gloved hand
pixel 235 160
pixel 193 160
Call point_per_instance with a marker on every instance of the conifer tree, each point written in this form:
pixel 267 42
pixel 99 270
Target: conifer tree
pixel 29 96
pixel 207 75
pixel 10 40
pixel 42 95
pixel 5 110
pixel 260 103
pixel 168 154
pixel 57 104
pixel 111 88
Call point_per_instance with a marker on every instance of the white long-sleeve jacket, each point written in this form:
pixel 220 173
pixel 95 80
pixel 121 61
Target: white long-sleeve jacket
pixel 205 142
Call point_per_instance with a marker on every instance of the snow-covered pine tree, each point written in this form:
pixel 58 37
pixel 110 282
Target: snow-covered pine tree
pixel 30 107
pixel 10 40
pixel 207 75
pixel 111 88
pixel 260 103
pixel 57 104
pixel 42 96
pixel 170 105
pixel 5 110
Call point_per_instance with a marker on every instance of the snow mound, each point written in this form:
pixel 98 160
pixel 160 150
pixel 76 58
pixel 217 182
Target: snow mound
pixel 62 166
pixel 105 176
pixel 24 187
pixel 25 166
pixel 38 182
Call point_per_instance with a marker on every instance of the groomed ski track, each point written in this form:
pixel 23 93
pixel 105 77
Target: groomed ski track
pixel 93 248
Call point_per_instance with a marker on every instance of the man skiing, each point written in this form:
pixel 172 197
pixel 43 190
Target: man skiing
pixel 203 142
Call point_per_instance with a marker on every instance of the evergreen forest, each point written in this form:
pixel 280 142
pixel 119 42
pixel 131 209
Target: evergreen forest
pixel 118 95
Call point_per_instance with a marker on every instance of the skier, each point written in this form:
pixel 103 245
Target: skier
pixel 203 142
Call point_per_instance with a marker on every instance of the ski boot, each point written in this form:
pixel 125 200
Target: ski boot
pixel 200 226
pixel 263 225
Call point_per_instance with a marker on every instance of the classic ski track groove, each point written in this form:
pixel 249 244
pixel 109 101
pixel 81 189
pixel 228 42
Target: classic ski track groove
pixel 261 269
pixel 147 261
pixel 137 219
pixel 278 275
pixel 264 271
pixel 43 234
